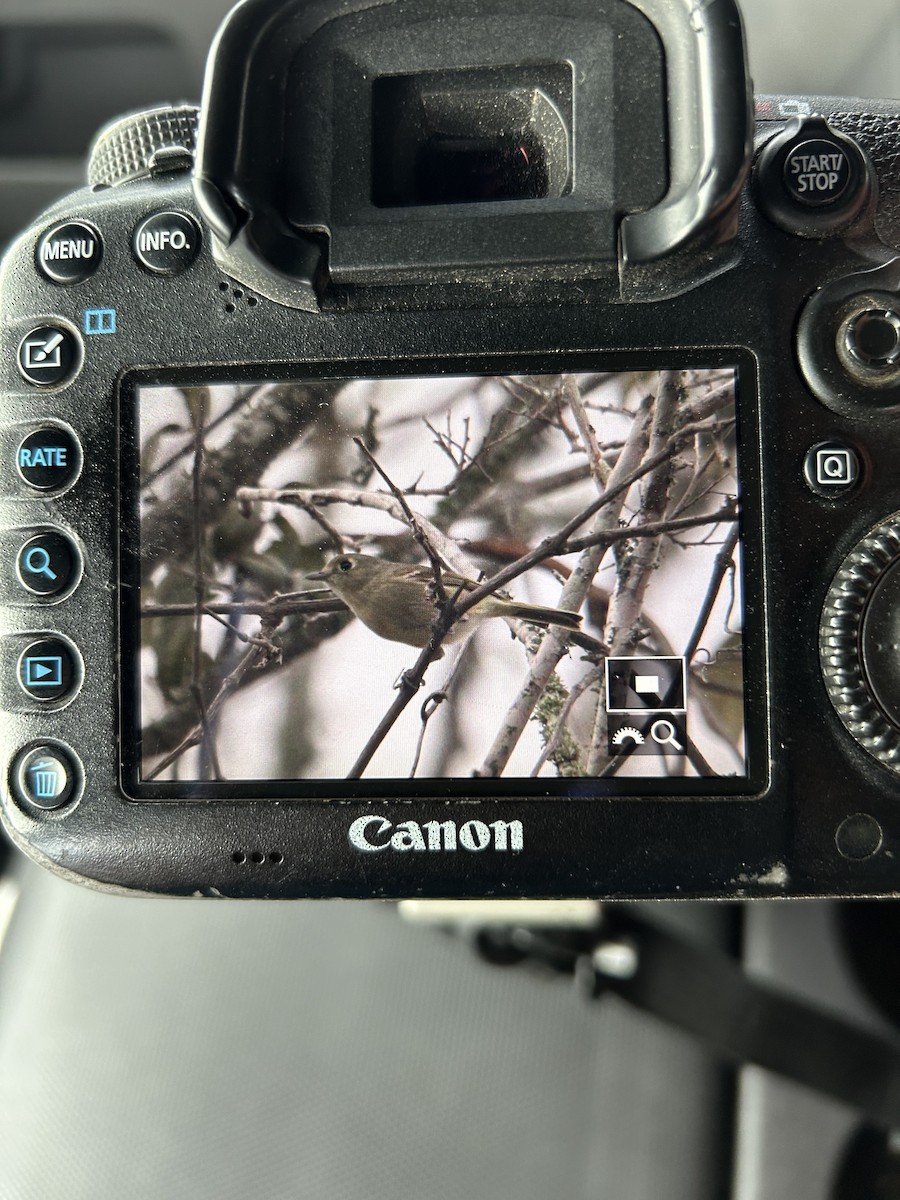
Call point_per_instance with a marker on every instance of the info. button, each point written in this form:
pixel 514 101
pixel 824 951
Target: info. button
pixel 166 242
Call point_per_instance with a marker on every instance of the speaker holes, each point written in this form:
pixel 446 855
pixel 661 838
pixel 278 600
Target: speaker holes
pixel 234 297
pixel 257 858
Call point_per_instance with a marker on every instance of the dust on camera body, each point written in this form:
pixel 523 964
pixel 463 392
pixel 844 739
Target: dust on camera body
pixel 570 377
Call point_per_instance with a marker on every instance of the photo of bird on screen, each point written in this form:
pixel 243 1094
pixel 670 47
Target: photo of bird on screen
pixel 438 577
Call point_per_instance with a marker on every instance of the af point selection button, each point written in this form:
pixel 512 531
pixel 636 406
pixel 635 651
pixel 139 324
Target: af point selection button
pixel 166 242
pixel 45 777
pixel 49 458
pixel 872 337
pixel 69 253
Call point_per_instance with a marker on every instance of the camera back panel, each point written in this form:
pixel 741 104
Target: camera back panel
pixel 430 317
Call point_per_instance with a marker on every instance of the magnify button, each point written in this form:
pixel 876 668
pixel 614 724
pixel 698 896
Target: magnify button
pixel 48 564
pixel 663 733
pixel 37 562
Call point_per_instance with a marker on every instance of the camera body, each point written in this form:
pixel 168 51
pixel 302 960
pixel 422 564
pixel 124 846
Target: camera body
pixel 501 297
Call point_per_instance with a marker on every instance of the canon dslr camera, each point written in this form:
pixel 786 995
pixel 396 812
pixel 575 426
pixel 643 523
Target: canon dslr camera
pixel 460 460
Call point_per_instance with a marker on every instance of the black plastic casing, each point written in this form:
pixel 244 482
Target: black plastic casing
pixel 713 291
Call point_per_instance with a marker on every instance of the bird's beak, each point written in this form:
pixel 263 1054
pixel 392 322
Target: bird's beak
pixel 318 575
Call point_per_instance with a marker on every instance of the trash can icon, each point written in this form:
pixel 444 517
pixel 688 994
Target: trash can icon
pixel 47 779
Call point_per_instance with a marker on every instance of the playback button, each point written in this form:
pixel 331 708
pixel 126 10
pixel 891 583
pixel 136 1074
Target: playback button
pixel 49 670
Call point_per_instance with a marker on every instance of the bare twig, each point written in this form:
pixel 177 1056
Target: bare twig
pixel 650 531
pixel 722 564
pixel 416 525
pixel 208 739
pixel 410 682
pixel 607 509
pixel 598 467
pixel 252 658
pixel 624 629
pixel 299 497
pixel 185 450
pixel 282 604
pixel 588 680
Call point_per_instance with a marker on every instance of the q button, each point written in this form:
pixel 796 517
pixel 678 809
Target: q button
pixel 48 565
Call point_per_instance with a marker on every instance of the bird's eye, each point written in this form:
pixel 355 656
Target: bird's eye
pixel 345 565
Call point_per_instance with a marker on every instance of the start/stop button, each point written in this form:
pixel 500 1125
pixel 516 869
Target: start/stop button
pixel 813 181
pixel 816 172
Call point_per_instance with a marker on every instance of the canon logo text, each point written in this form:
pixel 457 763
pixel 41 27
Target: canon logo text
pixel 372 835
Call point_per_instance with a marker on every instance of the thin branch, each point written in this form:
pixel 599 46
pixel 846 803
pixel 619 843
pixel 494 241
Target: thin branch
pixel 255 655
pixel 599 469
pixel 208 738
pixel 334 536
pixel 608 508
pixel 722 564
pixel 185 450
pixel 416 527
pixel 553 543
pixel 652 530
pixel 282 604
pixel 624 630
pixel 577 691
pixel 410 682
pixel 299 497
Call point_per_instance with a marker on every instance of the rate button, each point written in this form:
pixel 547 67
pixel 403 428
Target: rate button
pixel 49 459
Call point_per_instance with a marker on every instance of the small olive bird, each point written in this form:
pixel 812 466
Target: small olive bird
pixel 397 601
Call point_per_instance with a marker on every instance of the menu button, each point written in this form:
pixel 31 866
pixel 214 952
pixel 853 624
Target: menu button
pixel 69 253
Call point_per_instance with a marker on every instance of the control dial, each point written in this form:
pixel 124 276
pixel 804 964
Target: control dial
pixel 859 642
pixel 144 144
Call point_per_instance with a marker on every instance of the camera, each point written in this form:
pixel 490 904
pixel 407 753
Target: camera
pixel 459 459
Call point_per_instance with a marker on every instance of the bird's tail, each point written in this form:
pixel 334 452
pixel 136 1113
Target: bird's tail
pixel 538 615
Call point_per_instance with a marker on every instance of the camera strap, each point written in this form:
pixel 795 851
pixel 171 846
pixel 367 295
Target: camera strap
pixel 705 992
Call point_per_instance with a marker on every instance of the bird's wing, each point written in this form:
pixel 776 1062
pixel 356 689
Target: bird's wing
pixel 451 582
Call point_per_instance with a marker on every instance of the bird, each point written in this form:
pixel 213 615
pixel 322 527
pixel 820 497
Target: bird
pixel 398 601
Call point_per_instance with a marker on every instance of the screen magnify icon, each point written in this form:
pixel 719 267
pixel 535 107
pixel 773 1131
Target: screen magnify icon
pixel 37 562
pixel 663 733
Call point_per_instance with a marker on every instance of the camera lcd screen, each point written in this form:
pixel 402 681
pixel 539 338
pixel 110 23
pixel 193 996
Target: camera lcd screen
pixel 298 544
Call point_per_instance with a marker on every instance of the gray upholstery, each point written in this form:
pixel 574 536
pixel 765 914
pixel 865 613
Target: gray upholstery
pixel 157 1049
